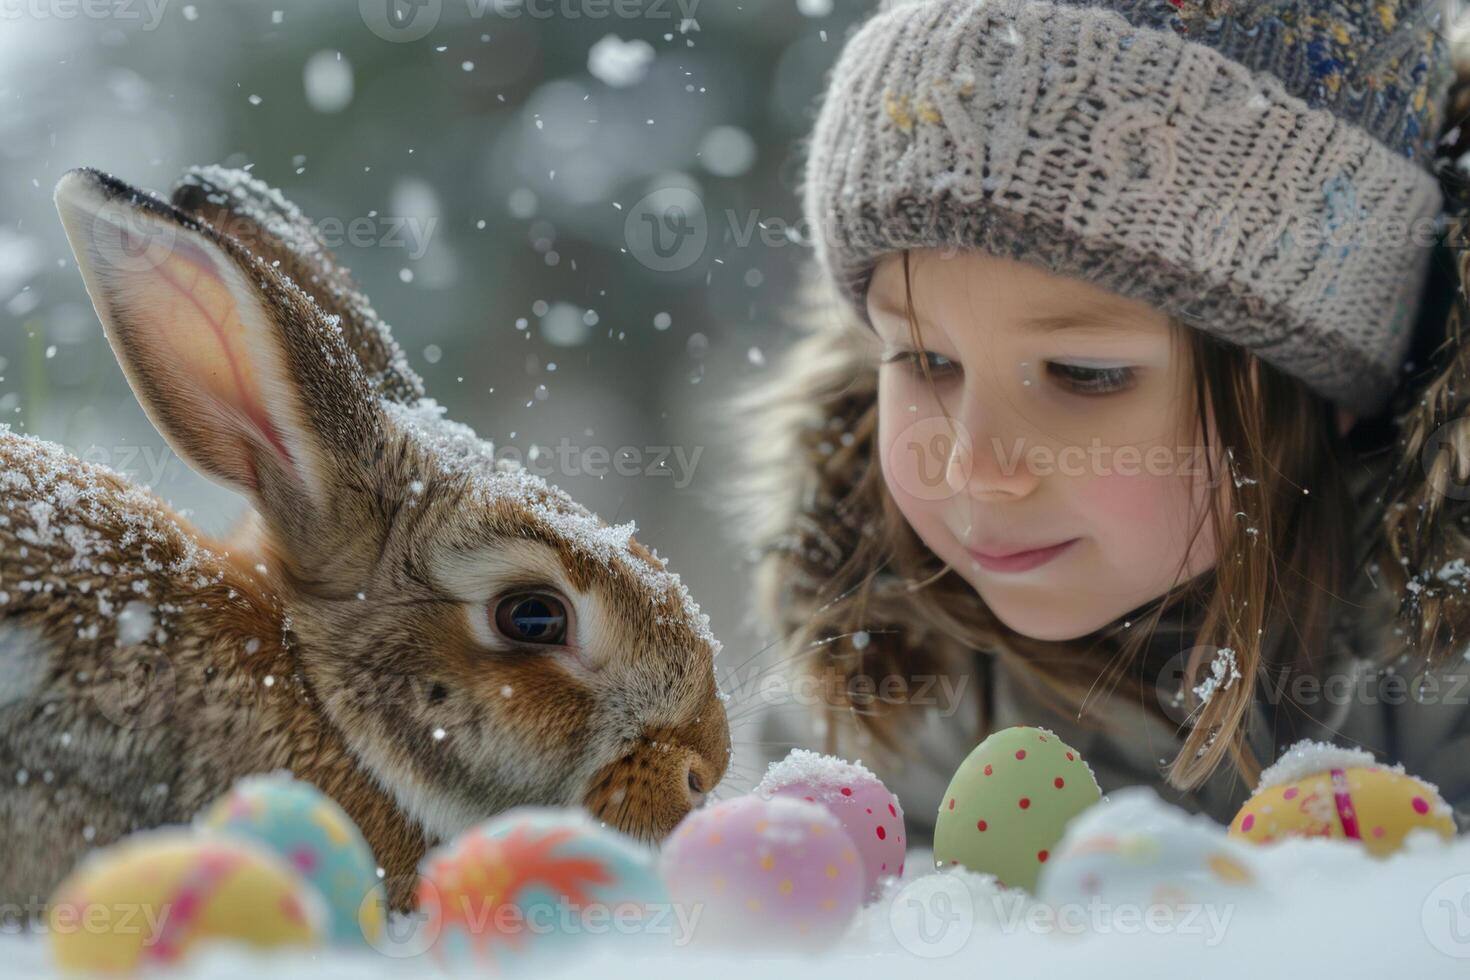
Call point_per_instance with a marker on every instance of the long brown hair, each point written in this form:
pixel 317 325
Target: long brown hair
pixel 856 594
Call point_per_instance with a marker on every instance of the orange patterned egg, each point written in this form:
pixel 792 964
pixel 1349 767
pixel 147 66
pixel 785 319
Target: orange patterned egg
pixel 1374 804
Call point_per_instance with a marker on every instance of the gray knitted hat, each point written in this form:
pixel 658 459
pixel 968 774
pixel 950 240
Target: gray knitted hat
pixel 1261 169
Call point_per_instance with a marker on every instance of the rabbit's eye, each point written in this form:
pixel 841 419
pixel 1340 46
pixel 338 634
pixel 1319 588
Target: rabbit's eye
pixel 535 617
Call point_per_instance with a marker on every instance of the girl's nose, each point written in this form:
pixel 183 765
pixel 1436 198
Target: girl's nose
pixel 984 464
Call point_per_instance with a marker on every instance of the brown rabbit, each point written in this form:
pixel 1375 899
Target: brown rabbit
pixel 425 633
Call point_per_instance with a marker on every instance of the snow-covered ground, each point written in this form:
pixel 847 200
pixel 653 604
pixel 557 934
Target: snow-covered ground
pixel 1314 908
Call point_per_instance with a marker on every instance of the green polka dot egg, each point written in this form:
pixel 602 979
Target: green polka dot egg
pixel 1009 803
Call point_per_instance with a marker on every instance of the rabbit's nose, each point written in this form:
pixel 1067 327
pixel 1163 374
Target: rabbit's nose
pixel 698 788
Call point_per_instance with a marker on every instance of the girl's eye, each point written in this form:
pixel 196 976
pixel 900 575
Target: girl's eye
pixel 532 617
pixel 917 360
pixel 1092 380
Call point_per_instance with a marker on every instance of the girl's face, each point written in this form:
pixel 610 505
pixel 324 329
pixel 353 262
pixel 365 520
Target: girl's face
pixel 1060 417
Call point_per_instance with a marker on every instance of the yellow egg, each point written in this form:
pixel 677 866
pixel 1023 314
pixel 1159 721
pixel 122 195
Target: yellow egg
pixel 153 897
pixel 1371 804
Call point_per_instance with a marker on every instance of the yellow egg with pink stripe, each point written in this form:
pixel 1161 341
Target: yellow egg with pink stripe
pixel 151 899
pixel 1318 790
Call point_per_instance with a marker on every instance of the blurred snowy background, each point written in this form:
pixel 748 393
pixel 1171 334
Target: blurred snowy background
pixel 572 212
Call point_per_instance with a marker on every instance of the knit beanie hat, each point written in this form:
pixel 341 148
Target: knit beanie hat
pixel 1261 169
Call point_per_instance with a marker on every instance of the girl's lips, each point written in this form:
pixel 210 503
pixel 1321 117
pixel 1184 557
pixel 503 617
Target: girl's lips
pixel 1022 560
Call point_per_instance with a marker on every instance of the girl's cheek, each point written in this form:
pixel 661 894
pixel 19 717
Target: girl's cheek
pixel 1146 516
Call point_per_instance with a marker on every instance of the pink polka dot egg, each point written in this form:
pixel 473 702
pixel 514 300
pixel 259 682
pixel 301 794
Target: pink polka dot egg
pixel 780 872
pixel 871 815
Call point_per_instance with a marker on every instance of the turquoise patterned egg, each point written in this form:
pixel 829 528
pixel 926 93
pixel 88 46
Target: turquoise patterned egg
pixel 316 837
pixel 1136 851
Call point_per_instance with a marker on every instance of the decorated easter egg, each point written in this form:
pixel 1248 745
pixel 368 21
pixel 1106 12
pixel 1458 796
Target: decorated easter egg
pixel 1009 804
pixel 778 873
pixel 1320 790
pixel 1135 851
pixel 871 815
pixel 316 837
pixel 152 898
pixel 536 884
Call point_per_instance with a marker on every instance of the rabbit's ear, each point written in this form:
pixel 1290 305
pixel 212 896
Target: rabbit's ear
pixel 248 380
pixel 257 216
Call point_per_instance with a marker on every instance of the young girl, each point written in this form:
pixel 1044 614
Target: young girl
pixel 1130 402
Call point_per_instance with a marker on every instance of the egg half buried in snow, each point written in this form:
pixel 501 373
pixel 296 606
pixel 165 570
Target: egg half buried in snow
pixel 317 838
pixel 1136 851
pixel 152 898
pixel 535 884
pixel 871 815
pixel 1320 790
pixel 764 873
pixel 1009 803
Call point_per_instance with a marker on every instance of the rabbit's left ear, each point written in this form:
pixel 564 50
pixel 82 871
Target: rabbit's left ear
pixel 244 375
